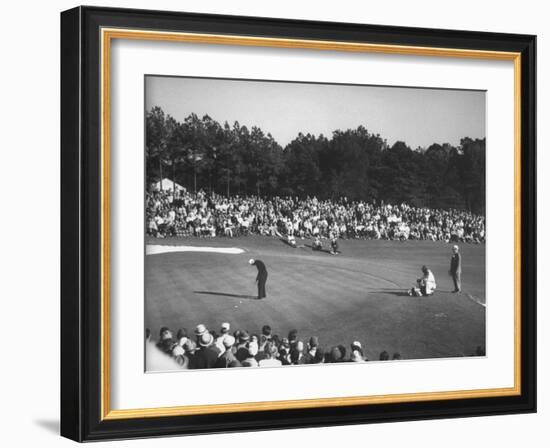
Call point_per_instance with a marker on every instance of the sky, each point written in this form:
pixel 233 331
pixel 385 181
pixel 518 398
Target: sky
pixel 419 117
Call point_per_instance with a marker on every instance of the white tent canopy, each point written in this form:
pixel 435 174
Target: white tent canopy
pixel 167 185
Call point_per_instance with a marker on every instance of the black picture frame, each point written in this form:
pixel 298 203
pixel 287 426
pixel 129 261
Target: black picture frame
pixel 81 224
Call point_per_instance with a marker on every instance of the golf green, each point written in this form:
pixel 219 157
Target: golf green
pixel 357 295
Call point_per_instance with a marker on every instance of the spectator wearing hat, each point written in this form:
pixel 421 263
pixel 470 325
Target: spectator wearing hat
pixel 270 359
pixel 224 331
pixel 335 355
pixel 181 340
pixel 241 350
pixel 244 337
pixel 312 348
pixel 456 269
pixel 178 353
pixel 261 348
pixel 266 331
pixel 250 360
pixel 292 338
pixel 357 354
pixel 206 355
pixel 202 331
pixel 297 353
pixel 199 331
pixel 166 343
pixel 261 278
pixel 189 348
pixel 284 352
pixel 227 357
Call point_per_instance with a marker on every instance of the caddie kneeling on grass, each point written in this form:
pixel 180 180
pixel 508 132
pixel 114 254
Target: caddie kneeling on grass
pixel 425 284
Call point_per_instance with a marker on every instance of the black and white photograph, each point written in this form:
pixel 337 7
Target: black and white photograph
pixel 292 223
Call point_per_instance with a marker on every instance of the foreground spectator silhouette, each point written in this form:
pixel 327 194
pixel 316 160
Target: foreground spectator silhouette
pixel 240 349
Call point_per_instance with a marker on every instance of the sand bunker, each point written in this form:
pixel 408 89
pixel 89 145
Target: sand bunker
pixel 154 249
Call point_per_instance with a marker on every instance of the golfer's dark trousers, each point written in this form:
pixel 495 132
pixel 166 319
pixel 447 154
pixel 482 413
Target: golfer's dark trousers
pixel 262 279
pixel 456 280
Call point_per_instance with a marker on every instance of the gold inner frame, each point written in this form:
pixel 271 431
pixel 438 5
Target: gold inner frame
pixel 107 35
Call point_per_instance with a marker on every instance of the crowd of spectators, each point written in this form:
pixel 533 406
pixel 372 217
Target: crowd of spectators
pixel 206 349
pixel 182 213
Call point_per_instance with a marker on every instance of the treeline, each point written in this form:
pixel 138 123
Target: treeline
pixel 200 153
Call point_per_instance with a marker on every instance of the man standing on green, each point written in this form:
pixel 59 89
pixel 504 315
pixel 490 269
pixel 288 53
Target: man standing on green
pixel 261 279
pixel 456 269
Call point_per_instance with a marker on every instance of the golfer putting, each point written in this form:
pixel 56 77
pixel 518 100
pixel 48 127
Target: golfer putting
pixel 261 278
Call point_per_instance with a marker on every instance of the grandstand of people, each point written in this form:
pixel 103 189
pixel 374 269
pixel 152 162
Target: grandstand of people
pixel 180 213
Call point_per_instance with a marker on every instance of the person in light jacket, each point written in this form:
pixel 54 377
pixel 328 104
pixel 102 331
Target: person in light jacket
pixel 425 285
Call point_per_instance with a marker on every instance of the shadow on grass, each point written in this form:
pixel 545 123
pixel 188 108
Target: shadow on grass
pixel 404 293
pixel 226 294
pixel 392 292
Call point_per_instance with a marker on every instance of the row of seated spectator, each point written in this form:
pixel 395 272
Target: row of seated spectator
pixel 182 214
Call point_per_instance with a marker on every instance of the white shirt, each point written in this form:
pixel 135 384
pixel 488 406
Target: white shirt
pixel 429 281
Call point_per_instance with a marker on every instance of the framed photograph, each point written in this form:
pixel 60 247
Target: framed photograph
pixel 276 224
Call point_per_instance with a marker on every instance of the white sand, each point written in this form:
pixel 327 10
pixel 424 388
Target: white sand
pixel 153 249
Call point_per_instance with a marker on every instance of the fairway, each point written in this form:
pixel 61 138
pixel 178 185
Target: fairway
pixel 359 294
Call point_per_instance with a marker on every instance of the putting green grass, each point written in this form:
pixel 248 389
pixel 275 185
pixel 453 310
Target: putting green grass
pixel 359 294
